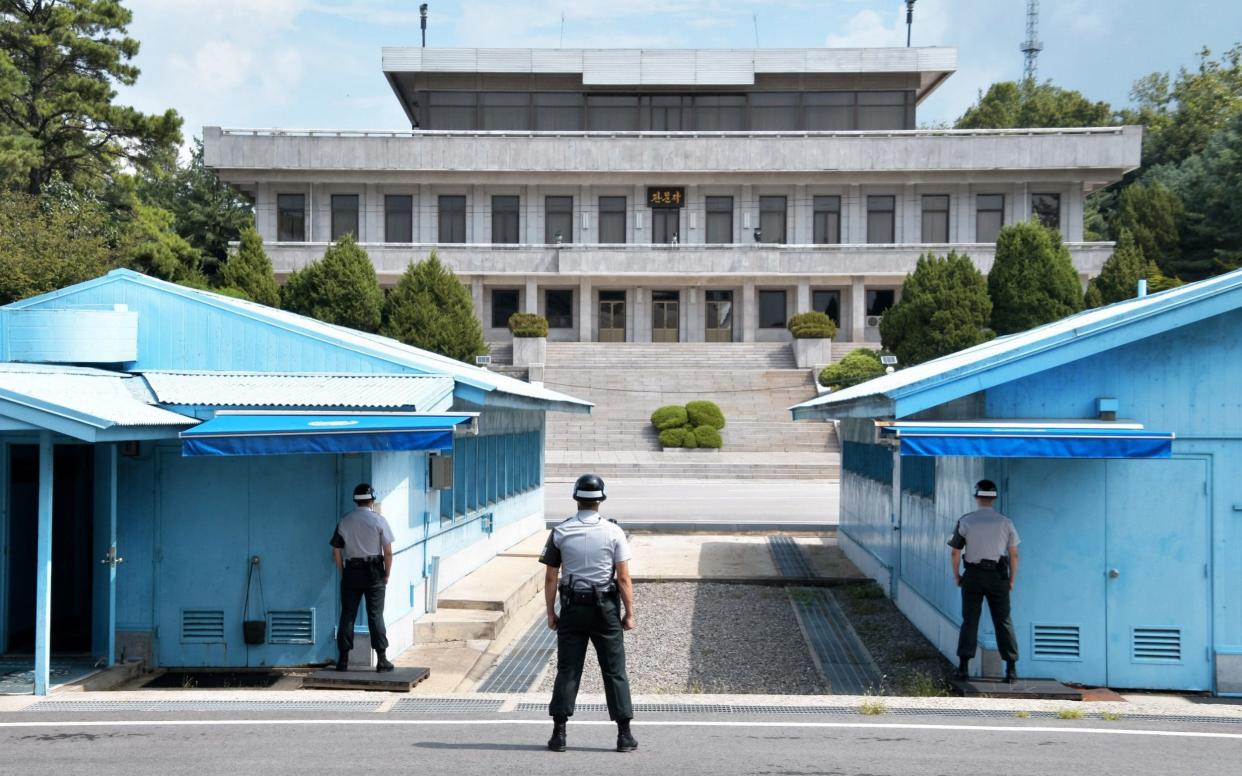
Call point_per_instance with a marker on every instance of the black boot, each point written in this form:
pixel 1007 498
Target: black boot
pixel 381 662
pixel 1011 671
pixel 342 661
pixel 557 742
pixel 963 669
pixel 625 741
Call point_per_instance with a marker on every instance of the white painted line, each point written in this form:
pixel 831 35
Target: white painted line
pixel 652 724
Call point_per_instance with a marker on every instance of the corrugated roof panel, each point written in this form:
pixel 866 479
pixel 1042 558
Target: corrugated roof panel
pixel 231 389
pixel 937 59
pixel 107 398
pixel 888 60
pixel 727 67
pixel 834 61
pixel 666 67
pixel 618 67
pixel 451 60
pixel 504 61
pixel 556 61
pixel 780 60
pixel 402 59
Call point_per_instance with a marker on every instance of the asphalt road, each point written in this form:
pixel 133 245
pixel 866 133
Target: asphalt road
pixel 732 502
pixel 210 744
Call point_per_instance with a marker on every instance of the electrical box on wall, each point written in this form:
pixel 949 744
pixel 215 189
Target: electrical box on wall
pixel 441 475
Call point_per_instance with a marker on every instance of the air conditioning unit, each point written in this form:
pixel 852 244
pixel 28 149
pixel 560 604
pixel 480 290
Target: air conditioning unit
pixel 873 321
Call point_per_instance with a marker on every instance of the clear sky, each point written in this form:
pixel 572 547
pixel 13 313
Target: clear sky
pixel 316 63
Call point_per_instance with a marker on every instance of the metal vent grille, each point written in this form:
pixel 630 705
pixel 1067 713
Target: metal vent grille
pixel 1056 642
pixel 448 705
pixel 1159 645
pixel 291 626
pixel 202 626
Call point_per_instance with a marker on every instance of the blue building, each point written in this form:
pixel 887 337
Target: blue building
pixel 192 435
pixel 1116 438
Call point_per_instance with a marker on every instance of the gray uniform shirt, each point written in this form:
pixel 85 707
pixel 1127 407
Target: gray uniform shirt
pixel 362 534
pixel 586 547
pixel 985 534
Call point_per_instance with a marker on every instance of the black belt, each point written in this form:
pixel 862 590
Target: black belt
pixel 364 561
pixel 586 597
pixel 987 565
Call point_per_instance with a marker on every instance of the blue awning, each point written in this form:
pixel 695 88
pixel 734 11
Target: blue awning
pixel 1027 440
pixel 273 433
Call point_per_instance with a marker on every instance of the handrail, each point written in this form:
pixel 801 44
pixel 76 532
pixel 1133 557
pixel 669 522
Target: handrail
pixel 451 133
pixel 447 530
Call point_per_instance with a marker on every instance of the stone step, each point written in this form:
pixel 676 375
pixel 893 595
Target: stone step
pixel 645 471
pixel 502 584
pixel 459 625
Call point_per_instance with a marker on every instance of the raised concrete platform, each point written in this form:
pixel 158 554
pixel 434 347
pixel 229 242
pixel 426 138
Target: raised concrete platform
pixel 502 584
pixel 459 625
pixel 397 680
pixel 993 687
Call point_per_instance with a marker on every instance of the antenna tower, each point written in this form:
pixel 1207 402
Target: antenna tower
pixel 1031 46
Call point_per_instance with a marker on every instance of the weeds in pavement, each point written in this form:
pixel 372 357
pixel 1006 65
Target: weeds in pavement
pixel 866 592
pixel 1071 714
pixel 1022 714
pixel 872 707
pixel 1110 716
pixel 922 685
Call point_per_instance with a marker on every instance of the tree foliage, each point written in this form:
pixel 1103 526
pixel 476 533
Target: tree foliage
pixel 148 243
pixel 1033 280
pixel 248 271
pixel 431 309
pixel 339 288
pixel 859 365
pixel 51 241
pixel 1119 277
pixel 1021 104
pixel 944 307
pixel 1152 214
pixel 58 64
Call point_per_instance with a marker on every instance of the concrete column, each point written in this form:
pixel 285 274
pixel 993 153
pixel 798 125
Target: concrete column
pixel 858 310
pixel 534 223
pixel 530 304
pixel 586 311
pixel 425 229
pixel 1073 214
pixel 909 215
pixel 748 214
pixel 642 314
pixel 749 311
pixel 43 569
pixel 855 213
pixel 476 296
pixel 693 226
pixel 802 302
pixel 692 329
pixel 640 217
pixel 1020 210
pixel 963 205
pixel 312 217
pixel 587 216
pixel 371 219
pixel 801 228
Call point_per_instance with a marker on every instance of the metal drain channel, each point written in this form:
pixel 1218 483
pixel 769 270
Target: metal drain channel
pixel 521 666
pixel 445 705
pixel 836 649
pixel 205 705
pixel 788 557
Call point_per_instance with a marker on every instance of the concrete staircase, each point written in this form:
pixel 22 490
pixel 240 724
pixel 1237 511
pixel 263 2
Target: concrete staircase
pixel 754 384
pixel 479 605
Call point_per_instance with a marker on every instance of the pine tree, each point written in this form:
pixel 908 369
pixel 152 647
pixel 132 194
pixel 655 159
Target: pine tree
pixel 431 309
pixel 339 288
pixel 1119 277
pixel 1033 280
pixel 249 270
pixel 1153 216
pixel 944 307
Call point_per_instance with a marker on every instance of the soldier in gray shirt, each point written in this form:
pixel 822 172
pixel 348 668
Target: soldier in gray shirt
pixel 362 551
pixel 989 543
pixel 588 564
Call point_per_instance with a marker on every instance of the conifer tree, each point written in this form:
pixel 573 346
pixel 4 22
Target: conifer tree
pixel 249 270
pixel 339 288
pixel 1033 280
pixel 944 307
pixel 431 309
pixel 1119 277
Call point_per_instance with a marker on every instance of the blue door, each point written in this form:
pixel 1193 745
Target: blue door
pixel 1157 575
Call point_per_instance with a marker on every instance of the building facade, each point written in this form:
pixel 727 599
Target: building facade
pixel 664 196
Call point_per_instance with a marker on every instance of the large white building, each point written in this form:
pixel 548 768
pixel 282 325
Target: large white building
pixel 668 195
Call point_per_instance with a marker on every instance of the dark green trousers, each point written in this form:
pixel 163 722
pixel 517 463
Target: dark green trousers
pixel 978 584
pixel 599 625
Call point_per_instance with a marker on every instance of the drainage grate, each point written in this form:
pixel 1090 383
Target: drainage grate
pixel 837 651
pixel 521 666
pixel 788 557
pixel 204 705
pixel 446 705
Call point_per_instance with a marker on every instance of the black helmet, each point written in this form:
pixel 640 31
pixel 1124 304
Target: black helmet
pixel 985 489
pixel 590 487
pixel 364 492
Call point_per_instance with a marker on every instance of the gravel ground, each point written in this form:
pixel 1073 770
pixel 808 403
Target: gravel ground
pixel 910 665
pixel 711 638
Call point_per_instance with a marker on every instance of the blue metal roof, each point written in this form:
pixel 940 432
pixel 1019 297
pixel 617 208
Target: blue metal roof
pixel 1004 359
pixel 256 389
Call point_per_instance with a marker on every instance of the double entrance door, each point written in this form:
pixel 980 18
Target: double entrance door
pixel 665 316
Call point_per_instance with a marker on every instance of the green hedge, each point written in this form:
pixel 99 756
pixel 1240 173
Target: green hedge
pixel 705 413
pixel 812 325
pixel 858 366
pixel 528 325
pixel 669 416
pixel 706 436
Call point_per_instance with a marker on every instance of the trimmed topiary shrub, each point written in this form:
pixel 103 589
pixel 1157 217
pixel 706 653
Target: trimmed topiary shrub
pixel 705 413
pixel 669 416
pixel 673 437
pixel 688 440
pixel 860 365
pixel 812 325
pixel 528 325
pixel 706 436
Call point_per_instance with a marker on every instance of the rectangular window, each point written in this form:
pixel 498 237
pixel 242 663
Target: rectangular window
pixel 559 112
pixel 771 309
pixel 827 302
pixel 935 218
pixel 774 112
pixel 720 113
pixel 558 308
pixel 829 111
pixel 989 217
pixel 884 110
pixel 772 220
pixel 504 305
pixel 291 217
pixel 665 224
pixel 505 110
pixel 505 219
pixel 827 216
pixel 668 112
pixel 452 219
pixel 1047 208
pixel 616 113
pixel 879 300
pixel 880 218
pixel 612 219
pixel 451 110
pixel 719 220
pixel 399 218
pixel 344 216
pixel 558 220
